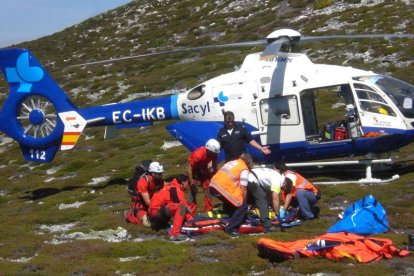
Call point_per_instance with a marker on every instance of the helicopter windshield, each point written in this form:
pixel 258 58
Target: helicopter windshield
pixel 400 92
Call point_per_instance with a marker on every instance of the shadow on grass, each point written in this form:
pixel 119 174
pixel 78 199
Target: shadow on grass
pixel 45 192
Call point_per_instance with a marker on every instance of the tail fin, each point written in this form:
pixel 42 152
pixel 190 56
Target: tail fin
pixel 37 113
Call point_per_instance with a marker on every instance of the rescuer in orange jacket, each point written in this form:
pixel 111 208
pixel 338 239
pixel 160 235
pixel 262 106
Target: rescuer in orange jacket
pixel 169 203
pixel 229 185
pixel 297 190
pixel 201 166
pixel 146 186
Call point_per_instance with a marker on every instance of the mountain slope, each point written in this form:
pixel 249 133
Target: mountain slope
pixel 47 209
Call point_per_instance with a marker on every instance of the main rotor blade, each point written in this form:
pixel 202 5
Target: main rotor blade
pixel 273 48
pixel 324 37
pixel 174 51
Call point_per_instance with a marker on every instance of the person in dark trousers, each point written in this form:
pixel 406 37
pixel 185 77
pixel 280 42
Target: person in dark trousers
pixel 264 183
pixel 233 139
pixel 229 185
pixel 301 193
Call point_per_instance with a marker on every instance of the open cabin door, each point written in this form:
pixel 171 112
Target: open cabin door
pixel 325 114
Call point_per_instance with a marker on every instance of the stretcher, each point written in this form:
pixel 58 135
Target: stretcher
pixel 252 225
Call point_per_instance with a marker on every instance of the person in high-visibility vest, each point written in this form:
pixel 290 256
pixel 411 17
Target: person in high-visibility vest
pixel 229 185
pixel 297 190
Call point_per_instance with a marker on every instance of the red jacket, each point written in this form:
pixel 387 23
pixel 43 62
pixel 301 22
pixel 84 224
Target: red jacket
pixel 202 164
pixel 146 184
pixel 171 193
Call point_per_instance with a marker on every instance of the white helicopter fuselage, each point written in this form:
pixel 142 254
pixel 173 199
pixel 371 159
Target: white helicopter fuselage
pixel 243 90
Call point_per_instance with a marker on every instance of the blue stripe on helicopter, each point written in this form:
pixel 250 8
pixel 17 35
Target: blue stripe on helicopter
pixel 194 134
pixel 174 107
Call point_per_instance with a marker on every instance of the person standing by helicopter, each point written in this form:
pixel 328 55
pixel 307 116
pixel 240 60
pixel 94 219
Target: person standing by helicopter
pixel 233 139
pixel 201 166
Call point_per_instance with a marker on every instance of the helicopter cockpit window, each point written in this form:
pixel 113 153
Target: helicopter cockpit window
pixel 367 93
pixel 280 110
pixel 401 93
pixel 370 101
pixel 196 92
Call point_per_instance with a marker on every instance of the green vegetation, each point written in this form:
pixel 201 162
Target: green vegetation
pixel 34 197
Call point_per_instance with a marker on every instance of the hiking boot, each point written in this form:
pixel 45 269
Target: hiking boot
pixel 126 217
pixel 270 229
pixel 178 238
pixel 232 232
pixel 316 210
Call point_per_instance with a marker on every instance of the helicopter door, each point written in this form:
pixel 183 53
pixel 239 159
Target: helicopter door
pixel 309 114
pixel 279 118
pixel 374 111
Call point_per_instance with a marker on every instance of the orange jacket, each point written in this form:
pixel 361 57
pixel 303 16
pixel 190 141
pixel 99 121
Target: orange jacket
pixel 227 181
pixel 301 183
pixel 359 248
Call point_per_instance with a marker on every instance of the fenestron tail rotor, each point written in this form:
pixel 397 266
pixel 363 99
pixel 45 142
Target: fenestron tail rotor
pixel 37 116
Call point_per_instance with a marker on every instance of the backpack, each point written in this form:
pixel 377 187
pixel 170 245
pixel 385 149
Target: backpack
pixel 140 170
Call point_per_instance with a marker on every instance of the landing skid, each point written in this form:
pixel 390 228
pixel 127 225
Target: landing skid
pixel 368 170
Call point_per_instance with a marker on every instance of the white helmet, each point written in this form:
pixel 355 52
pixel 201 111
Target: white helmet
pixel 213 145
pixel 155 167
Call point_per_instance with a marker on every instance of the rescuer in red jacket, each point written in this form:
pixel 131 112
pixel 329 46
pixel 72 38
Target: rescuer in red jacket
pixel 169 203
pixel 146 186
pixel 201 166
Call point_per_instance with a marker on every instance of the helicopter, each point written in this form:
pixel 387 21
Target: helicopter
pixel 276 94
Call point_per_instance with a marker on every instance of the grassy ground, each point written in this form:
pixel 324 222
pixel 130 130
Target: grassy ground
pixel 29 205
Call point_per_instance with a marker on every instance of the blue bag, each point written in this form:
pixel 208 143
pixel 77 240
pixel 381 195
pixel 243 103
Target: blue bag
pixel 365 217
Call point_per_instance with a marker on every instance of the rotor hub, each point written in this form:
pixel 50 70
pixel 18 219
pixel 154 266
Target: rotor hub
pixel 36 117
pixel 294 36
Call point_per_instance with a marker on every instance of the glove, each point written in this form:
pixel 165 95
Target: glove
pixel 282 213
